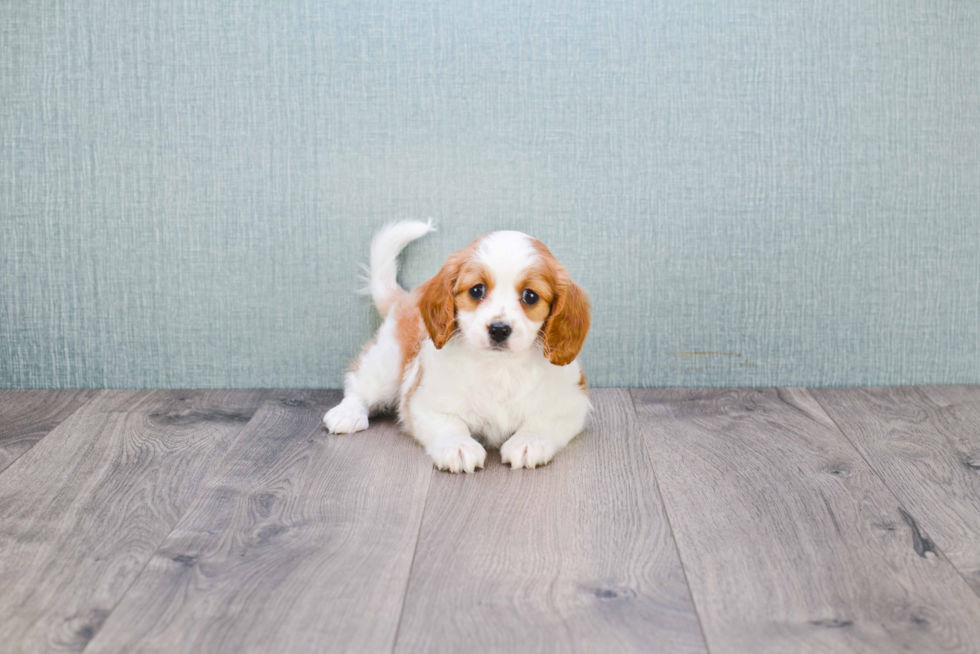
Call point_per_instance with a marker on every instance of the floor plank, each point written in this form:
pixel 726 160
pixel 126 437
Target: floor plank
pixel 82 511
pixel 576 556
pixel 790 541
pixel 925 444
pixel 27 416
pixel 301 542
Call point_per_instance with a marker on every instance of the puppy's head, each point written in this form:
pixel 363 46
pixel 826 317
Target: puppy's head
pixel 506 292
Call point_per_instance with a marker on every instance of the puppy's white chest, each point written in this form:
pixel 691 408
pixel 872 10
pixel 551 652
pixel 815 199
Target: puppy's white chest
pixel 494 410
pixel 491 393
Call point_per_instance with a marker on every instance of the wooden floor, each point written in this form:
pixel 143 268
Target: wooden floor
pixel 749 520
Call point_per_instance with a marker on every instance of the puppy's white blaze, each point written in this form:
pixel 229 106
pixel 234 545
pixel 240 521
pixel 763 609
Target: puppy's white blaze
pixel 506 251
pixel 507 255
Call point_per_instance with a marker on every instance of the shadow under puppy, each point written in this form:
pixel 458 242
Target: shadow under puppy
pixel 484 350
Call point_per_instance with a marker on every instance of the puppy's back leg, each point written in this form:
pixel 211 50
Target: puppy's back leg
pixel 370 385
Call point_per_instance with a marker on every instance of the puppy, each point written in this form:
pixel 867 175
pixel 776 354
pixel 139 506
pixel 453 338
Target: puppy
pixel 484 350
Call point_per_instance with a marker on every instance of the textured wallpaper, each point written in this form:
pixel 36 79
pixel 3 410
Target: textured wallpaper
pixel 754 192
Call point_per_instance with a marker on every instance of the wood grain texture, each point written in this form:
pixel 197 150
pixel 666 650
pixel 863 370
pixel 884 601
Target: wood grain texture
pixel 302 542
pixel 83 510
pixel 925 443
pixel 27 416
pixel 576 556
pixel 790 541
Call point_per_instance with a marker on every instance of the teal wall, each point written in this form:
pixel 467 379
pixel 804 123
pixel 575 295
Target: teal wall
pixel 755 192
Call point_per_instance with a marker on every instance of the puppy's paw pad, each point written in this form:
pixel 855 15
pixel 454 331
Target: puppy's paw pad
pixel 458 455
pixel 527 451
pixel 346 418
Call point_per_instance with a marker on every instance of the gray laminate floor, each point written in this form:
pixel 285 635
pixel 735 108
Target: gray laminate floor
pixel 709 520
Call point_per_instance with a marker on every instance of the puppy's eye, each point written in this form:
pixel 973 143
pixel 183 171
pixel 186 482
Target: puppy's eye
pixel 477 292
pixel 529 297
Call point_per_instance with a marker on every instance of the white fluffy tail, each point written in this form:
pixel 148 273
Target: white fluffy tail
pixel 385 248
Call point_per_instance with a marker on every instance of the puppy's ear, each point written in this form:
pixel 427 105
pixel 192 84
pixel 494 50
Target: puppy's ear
pixel 568 324
pixel 436 302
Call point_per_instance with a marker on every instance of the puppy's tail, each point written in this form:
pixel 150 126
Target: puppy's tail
pixel 383 272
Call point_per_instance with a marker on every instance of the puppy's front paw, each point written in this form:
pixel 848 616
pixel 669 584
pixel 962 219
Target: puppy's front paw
pixel 346 418
pixel 458 455
pixel 527 451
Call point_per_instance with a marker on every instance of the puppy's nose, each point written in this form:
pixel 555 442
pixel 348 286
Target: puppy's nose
pixel 499 332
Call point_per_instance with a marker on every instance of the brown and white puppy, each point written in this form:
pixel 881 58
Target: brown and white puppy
pixel 484 351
